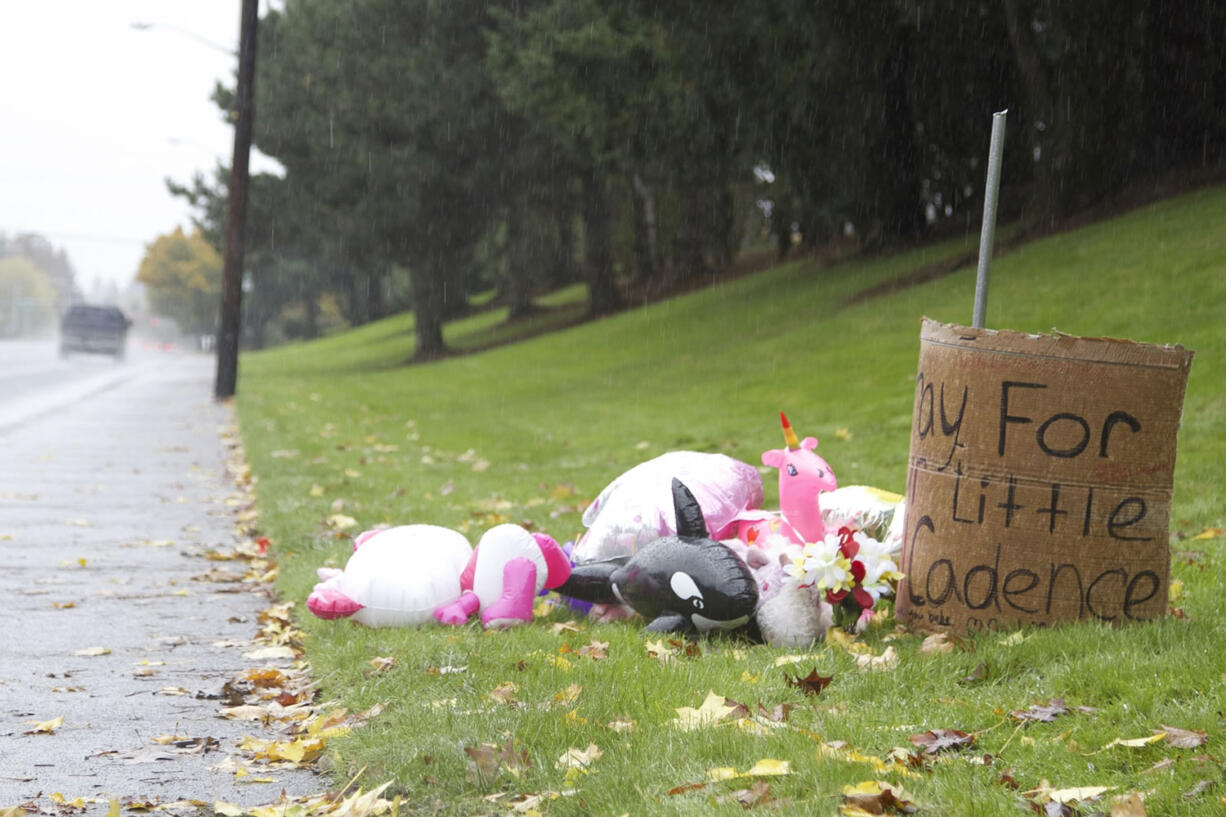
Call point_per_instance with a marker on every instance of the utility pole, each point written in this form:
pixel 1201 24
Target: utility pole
pixel 236 213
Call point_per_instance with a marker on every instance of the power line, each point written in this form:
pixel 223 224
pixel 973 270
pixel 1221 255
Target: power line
pixel 100 239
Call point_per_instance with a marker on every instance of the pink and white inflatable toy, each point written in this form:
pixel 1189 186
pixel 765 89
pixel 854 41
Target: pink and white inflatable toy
pixel 507 570
pixel 636 508
pixel 396 577
pixel 803 476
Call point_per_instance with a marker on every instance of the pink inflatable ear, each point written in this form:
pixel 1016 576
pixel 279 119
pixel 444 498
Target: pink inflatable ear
pixel 556 562
pixel 809 443
pixel 773 458
pixel 366 536
pixel 469 571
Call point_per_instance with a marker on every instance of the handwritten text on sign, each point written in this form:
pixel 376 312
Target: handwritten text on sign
pixel 1038 491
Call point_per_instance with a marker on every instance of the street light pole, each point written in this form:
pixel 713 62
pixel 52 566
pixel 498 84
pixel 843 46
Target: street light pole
pixel 236 211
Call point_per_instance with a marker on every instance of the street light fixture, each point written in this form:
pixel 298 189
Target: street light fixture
pixel 145 26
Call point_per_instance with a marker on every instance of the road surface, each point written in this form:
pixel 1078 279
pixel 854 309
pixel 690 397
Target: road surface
pixel 112 486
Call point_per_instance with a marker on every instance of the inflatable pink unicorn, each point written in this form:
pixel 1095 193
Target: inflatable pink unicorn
pixel 803 475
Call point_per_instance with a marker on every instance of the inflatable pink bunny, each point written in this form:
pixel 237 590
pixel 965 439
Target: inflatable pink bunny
pixel 507 570
pixel 803 475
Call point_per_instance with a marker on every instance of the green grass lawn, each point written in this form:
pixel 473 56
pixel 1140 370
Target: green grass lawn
pixel 530 431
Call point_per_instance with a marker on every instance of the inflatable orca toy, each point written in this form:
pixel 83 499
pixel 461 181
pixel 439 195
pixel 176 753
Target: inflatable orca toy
pixel 683 583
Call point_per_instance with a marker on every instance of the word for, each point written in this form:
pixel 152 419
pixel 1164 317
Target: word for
pixel 1061 434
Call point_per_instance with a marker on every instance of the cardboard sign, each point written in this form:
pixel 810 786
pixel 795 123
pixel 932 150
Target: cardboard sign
pixel 1039 481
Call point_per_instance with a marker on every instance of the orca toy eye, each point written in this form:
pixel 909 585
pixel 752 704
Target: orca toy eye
pixel 686 589
pixel 791 470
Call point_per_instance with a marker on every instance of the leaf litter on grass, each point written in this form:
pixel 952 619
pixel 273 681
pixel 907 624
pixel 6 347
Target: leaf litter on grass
pixel 1004 675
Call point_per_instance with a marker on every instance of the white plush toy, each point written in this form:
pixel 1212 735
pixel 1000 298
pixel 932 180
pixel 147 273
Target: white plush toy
pixel 396 577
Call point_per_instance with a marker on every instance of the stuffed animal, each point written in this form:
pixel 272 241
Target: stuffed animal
pixel 637 507
pixel 803 475
pixel 396 577
pixel 503 576
pixel 684 582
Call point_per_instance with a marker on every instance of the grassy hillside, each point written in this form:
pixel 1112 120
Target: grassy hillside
pixel 530 431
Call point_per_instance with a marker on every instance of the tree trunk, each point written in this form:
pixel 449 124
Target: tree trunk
pixel 603 294
pixel 1046 143
pixel 259 330
pixel 353 300
pixel 646 245
pixel 691 262
pixel 375 308
pixel 723 222
pixel 517 288
pixel 899 207
pixel 312 317
pixel 563 271
pixel 426 282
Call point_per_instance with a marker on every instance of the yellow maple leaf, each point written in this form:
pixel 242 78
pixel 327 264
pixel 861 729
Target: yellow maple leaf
pixel 825 750
pixel 340 521
pixel 46 727
pixel 1137 742
pixel 661 650
pixel 361 804
pixel 786 660
pixel 383 663
pixel 270 653
pixel 713 710
pixel 60 800
pixel 579 758
pixel 887 660
pixel 504 692
pixel 1077 794
pixel 568 695
pixel 766 767
pixel 92 651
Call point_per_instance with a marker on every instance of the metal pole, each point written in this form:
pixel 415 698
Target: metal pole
pixel 987 232
pixel 236 214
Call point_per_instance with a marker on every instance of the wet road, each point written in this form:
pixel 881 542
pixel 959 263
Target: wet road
pixel 112 485
pixel 34 379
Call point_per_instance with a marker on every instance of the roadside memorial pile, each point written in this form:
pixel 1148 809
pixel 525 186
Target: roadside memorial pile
pixel 681 539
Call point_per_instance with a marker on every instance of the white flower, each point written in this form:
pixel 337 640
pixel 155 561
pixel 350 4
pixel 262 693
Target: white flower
pixel 879 566
pixel 822 564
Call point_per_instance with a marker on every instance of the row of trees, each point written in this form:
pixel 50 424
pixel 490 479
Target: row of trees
pixel 37 282
pixel 433 148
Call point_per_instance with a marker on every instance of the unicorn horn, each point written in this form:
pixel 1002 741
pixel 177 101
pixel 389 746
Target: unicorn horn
pixel 789 435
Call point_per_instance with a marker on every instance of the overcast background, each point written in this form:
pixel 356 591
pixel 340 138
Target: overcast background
pixel 96 114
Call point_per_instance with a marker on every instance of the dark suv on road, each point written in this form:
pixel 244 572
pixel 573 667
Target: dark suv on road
pixel 87 328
